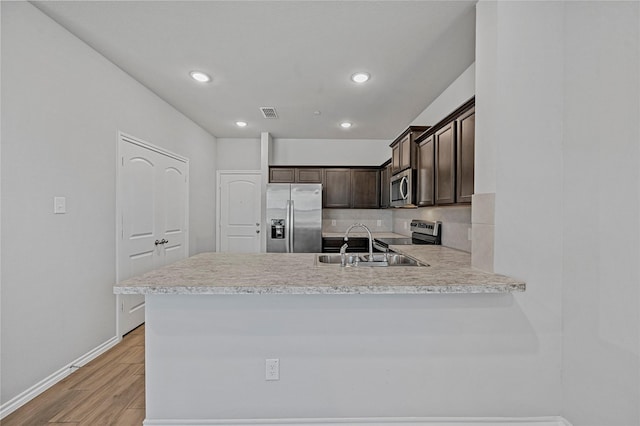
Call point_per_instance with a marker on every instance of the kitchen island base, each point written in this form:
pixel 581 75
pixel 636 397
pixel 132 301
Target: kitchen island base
pixel 341 356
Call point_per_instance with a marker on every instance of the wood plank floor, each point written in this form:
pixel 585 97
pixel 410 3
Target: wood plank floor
pixel 107 391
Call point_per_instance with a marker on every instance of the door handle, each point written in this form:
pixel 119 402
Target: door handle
pixel 257 231
pixel 403 182
pixel 157 242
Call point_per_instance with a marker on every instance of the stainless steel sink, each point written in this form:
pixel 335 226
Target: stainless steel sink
pixel 395 259
pixel 326 259
pixel 362 259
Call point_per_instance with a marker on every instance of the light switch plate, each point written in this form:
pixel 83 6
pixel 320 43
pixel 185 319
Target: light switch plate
pixel 59 205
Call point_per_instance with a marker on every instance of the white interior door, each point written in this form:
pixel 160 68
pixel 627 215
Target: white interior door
pixel 153 206
pixel 239 211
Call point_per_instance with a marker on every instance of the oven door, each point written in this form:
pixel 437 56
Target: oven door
pixel 401 189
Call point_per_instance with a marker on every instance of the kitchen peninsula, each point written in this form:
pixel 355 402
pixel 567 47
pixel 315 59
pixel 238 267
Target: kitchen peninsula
pixel 213 320
pixel 449 271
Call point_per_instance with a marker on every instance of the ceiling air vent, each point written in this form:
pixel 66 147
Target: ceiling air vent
pixel 269 112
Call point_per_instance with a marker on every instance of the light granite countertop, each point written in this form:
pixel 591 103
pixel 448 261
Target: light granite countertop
pixel 299 273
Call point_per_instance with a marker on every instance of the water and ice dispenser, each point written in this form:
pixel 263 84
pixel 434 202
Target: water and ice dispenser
pixel 277 229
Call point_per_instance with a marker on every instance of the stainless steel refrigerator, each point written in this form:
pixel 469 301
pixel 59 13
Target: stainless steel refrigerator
pixel 294 218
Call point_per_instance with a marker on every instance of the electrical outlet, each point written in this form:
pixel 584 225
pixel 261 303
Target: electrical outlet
pixel 59 205
pixel 272 369
pixel 404 223
pixel 469 234
pixel 379 223
pixel 333 222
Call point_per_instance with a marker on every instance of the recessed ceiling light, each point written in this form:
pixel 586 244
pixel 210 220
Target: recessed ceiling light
pixel 200 76
pixel 360 77
pixel 241 123
pixel 345 124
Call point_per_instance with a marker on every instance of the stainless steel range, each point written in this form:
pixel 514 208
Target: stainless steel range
pixel 422 232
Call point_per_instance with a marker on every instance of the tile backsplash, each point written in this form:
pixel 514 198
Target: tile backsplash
pixel 456 222
pixel 338 220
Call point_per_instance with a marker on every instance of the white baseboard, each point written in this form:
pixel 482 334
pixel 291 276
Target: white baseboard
pixel 35 390
pixel 373 421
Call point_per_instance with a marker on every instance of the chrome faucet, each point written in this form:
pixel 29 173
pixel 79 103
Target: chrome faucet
pixel 343 255
pixel 346 238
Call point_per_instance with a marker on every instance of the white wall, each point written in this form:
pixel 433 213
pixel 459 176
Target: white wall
pixel 561 98
pixel 601 214
pixel 458 92
pixel 238 154
pixel 62 106
pixel 528 102
pixel 330 152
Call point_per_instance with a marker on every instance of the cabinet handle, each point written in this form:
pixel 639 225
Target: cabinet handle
pixel 157 242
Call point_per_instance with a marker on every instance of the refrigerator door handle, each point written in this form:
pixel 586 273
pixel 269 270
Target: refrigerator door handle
pixel 287 229
pixel 292 230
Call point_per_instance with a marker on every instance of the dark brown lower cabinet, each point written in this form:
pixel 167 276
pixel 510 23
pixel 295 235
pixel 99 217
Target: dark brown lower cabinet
pixel 354 245
pixel 445 164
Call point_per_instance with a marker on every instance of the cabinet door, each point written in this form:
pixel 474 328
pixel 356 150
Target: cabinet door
pixel 426 172
pixel 445 156
pixel 395 158
pixel 405 152
pixel 385 174
pixel 282 175
pixel 465 140
pixel 337 188
pixel 304 175
pixel 365 188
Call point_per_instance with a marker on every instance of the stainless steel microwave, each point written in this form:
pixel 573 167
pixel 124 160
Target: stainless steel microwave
pixel 402 190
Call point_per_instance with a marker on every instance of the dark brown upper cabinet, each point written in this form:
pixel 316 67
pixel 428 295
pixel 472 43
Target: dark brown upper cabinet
pixel 337 188
pixel 365 188
pixel 445 164
pixel 282 175
pixel 403 149
pixel 295 174
pixel 446 159
pixel 465 146
pixel 426 172
pixel 385 176
pixel 342 187
pixel 308 175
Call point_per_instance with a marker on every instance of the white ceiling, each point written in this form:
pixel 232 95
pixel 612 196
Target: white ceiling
pixel 296 56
